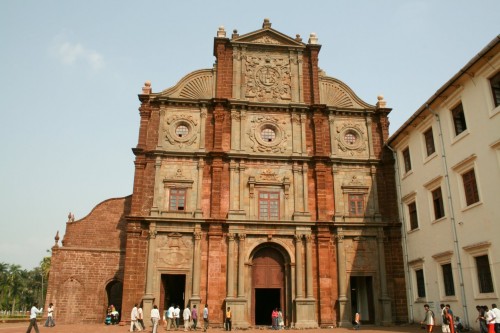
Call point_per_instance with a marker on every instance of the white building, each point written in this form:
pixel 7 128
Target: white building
pixel 448 176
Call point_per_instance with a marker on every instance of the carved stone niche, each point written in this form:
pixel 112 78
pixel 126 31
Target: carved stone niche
pixel 268 179
pixel 181 130
pixel 355 186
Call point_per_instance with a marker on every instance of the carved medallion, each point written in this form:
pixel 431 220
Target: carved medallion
pixel 351 138
pixel 268 134
pixel 181 130
pixel 267 78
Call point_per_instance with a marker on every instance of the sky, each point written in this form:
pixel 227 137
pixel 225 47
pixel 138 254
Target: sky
pixel 70 72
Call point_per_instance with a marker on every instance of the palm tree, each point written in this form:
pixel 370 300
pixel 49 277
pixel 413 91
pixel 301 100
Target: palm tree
pixel 4 270
pixel 14 283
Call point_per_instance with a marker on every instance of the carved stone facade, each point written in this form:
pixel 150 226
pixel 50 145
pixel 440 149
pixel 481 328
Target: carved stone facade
pixel 262 183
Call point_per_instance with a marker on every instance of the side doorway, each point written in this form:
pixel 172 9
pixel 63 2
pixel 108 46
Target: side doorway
pixel 362 298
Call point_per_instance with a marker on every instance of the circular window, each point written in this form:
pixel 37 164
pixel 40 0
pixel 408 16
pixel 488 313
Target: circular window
pixel 350 138
pixel 268 134
pixel 181 131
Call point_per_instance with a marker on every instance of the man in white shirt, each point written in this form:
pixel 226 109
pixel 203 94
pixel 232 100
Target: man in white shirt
pixel 186 315
pixel 133 319
pixel 496 312
pixel 169 317
pixel 177 316
pixel 155 317
pixel 140 317
pixel 34 311
pixel 205 318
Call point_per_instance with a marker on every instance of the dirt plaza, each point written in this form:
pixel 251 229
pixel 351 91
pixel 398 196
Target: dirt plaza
pixel 101 328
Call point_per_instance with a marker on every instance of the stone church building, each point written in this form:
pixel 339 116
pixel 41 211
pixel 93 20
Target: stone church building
pixel 259 183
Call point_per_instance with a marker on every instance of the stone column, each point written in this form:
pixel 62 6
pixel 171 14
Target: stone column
pixel 156 195
pixel 296 188
pixel 309 273
pixel 370 136
pixel 198 213
pixel 233 193
pixel 241 185
pixel 148 298
pixel 296 134
pixel 305 187
pixel 298 266
pixel 301 90
pixel 303 120
pixel 196 263
pixel 331 121
pixel 373 173
pixel 230 265
pixel 241 266
pixel 243 116
pixel 342 277
pixel 203 118
pixel 384 299
pixel 235 130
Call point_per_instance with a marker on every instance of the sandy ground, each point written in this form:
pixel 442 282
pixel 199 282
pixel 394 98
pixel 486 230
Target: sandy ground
pixel 101 328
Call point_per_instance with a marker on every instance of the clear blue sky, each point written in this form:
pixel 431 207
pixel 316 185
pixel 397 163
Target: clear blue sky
pixel 70 72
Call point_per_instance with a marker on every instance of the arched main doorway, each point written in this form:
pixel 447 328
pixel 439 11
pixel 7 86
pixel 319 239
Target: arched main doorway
pixel 268 284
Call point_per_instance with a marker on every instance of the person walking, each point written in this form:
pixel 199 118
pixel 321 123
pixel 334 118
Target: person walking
pixel 133 319
pixel 194 316
pixel 482 319
pixel 228 318
pixel 33 312
pixel 140 317
pixel 281 320
pixel 445 323
pixel 496 312
pixel 186 315
pixel 169 317
pixel 50 316
pixel 205 318
pixel 155 317
pixel 490 319
pixel 177 316
pixel 428 319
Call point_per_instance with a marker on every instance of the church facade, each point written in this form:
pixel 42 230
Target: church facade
pixel 260 183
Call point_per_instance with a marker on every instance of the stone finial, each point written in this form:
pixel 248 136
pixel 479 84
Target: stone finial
pixel 146 90
pixel 221 33
pixel 298 38
pixel 313 38
pixel 57 239
pixel 235 34
pixel 381 102
pixel 71 217
pixel 266 24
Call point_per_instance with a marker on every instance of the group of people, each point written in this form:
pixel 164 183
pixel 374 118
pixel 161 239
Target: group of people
pixel 489 319
pixel 277 319
pixel 112 316
pixel 35 311
pixel 171 318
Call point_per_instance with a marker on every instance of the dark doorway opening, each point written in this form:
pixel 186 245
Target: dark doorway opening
pixel 114 292
pixel 362 298
pixel 266 300
pixel 173 286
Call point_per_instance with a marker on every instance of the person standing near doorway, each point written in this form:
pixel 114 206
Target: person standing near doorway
pixel 186 315
pixel 177 316
pixel 228 318
pixel 194 316
pixel 357 320
pixel 34 311
pixel 155 317
pixel 133 319
pixel 140 317
pixel 205 318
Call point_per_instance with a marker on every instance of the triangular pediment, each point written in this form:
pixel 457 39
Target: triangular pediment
pixel 268 36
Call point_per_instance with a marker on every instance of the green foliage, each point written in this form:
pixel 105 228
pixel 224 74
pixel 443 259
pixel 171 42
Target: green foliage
pixel 20 288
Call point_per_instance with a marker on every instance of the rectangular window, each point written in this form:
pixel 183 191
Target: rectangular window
pixel 429 142
pixel 356 204
pixel 437 200
pixel 269 205
pixel 407 160
pixel 412 212
pixel 484 274
pixel 495 88
pixel 177 199
pixel 470 187
pixel 420 282
pixel 449 286
pixel 459 119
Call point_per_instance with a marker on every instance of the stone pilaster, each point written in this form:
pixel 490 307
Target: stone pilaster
pixel 385 301
pixel 148 299
pixel 342 277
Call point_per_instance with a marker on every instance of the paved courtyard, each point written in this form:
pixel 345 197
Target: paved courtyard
pixel 101 328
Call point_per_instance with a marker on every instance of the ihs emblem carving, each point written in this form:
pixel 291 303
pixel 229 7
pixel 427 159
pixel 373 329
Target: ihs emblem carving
pixel 267 78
